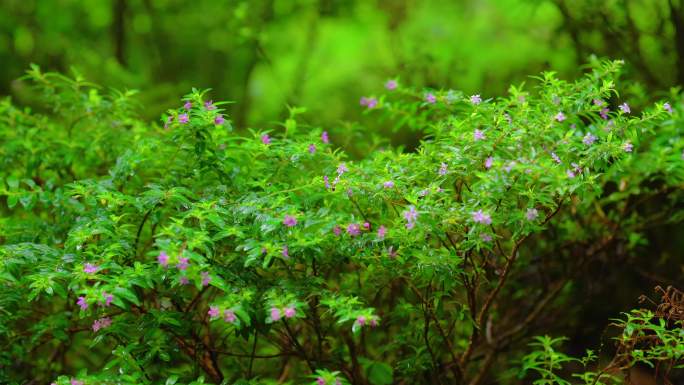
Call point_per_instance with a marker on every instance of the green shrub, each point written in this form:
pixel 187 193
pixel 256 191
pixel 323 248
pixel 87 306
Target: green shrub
pixel 182 251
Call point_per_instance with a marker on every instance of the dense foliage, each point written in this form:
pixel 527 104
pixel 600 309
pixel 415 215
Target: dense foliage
pixel 183 251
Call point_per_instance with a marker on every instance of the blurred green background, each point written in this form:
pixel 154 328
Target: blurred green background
pixel 325 54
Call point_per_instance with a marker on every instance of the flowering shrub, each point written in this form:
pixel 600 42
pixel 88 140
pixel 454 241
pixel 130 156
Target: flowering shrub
pixel 186 253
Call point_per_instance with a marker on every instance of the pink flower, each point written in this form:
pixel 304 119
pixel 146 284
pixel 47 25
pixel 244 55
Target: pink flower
pixel 101 323
pixel 342 168
pixel 560 117
pixel 324 137
pixel 667 107
pixel 183 280
pixel 320 381
pixel 163 259
pixel 75 382
pixel 108 298
pixel 209 105
pixel 96 325
pixel 183 118
pixel 360 320
pixel 312 148
pixel 82 302
pixel 213 311
pixel 628 147
pixel 570 173
pixel 476 99
pixel 187 105
pixel 366 226
pixel 182 263
pixel 430 98
pixel 290 312
pixel 206 278
pixel 90 268
pixel 624 107
pixel 391 84
pixel 555 158
pixel 275 314
pixel 369 102
pixel 481 217
pixel 388 184
pixel 382 231
pixel 219 120
pixel 485 237
pixel 604 113
pixel 598 102
pixel 411 215
pixel 265 139
pixel 337 230
pixel 354 229
pixel 229 316
pixel 488 162
pixel 286 253
pixel 531 214
pixel 478 135
pixel 290 221
pixel 373 322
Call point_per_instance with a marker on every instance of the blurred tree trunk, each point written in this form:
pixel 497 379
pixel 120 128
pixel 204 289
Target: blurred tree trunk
pixel 678 22
pixel 119 30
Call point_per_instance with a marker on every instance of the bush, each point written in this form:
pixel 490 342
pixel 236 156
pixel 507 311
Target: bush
pixel 181 252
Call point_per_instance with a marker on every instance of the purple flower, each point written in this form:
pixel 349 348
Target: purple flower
pixel 290 312
pixel 480 217
pixel 342 168
pixel 488 162
pixel 570 174
pixel 485 237
pixel 229 316
pixel 265 139
pixel 588 139
pixel 382 231
pixel 478 135
pixel 531 214
pixel 411 215
pixel 275 314
pixel 624 107
pixel 163 259
pixel 360 320
pixel 209 105
pixel 598 102
pixel 108 298
pixel 206 278
pixel 476 99
pixel 326 180
pixel 388 184
pixel 90 268
pixel 290 221
pixel 82 302
pixel 337 230
pixel 96 325
pixel 286 252
pixel 560 116
pixel 187 105
pixel 430 98
pixel 182 263
pixel 183 118
pixel 443 169
pixel 75 382
pixel 219 120
pixel 368 102
pixel 628 147
pixel 391 84
pixel 373 322
pixel 667 107
pixel 324 137
pixel 391 252
pixel 320 381
pixel 366 226
pixel 604 113
pixel 183 280
pixel 213 311
pixel 312 148
pixel 354 229
pixel 555 158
